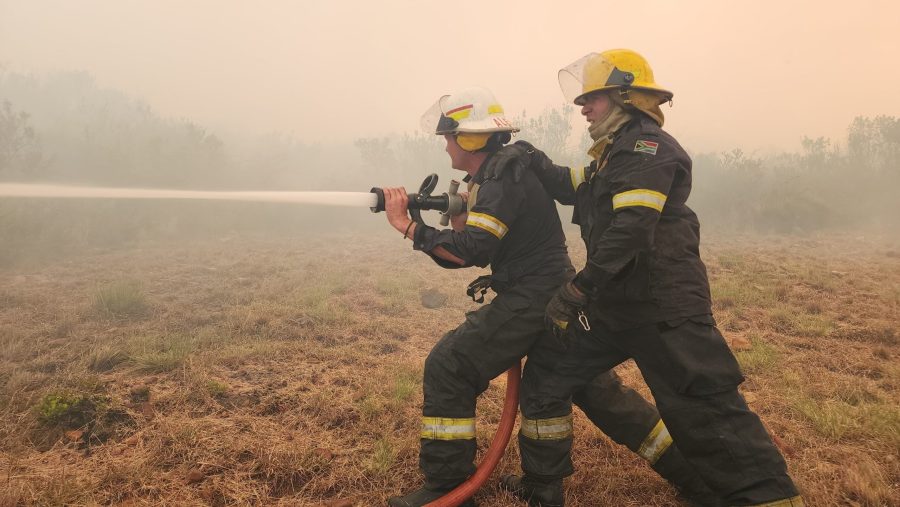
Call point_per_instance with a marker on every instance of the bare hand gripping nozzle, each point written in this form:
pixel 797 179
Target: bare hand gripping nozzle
pixel 449 203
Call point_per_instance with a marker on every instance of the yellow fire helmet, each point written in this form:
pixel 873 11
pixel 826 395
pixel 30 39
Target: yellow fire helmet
pixel 621 69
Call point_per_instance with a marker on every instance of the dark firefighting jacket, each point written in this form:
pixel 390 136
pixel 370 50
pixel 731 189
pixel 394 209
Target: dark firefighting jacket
pixel 643 259
pixel 512 225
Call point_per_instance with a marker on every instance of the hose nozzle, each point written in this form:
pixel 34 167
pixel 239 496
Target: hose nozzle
pixel 448 204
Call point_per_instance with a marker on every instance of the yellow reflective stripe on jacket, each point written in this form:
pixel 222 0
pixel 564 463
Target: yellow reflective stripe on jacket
pixel 794 501
pixel 640 197
pixel 656 443
pixel 488 223
pixel 556 428
pixel 577 177
pixel 447 428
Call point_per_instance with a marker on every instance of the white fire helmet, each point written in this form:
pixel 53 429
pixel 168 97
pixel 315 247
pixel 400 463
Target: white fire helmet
pixel 472 110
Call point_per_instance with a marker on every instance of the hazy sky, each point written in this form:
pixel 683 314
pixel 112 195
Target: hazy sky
pixel 755 74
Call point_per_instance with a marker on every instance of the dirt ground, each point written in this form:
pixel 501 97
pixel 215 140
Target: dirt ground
pixel 288 372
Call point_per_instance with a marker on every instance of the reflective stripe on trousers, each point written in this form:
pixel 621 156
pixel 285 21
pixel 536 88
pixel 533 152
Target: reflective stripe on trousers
pixel 556 428
pixel 656 443
pixel 448 428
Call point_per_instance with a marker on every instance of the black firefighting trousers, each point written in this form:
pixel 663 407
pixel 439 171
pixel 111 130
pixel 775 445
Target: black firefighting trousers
pixel 494 337
pixel 693 377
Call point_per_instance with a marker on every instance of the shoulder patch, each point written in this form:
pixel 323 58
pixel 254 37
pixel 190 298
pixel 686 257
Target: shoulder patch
pixel 643 146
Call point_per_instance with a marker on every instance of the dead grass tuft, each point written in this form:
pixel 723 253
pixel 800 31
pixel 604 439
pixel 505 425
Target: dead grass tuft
pixel 121 299
pixel 105 357
pixel 160 354
pixel 864 484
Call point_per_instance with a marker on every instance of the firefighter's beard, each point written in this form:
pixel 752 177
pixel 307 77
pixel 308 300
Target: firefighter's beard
pixel 602 131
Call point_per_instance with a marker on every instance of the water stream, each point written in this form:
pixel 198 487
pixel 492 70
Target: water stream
pixel 366 199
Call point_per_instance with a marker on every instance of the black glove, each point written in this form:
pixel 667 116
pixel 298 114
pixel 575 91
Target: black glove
pixel 563 309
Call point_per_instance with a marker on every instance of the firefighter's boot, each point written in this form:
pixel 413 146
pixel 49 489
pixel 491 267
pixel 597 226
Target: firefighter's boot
pixel 425 495
pixel 536 492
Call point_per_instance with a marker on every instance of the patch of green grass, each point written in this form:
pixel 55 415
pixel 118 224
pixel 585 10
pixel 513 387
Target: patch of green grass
pixel 68 409
pixel 370 407
pixel 856 392
pixel 818 278
pixel 383 457
pixel 760 357
pixel 317 304
pixel 832 419
pixel 793 321
pixel 121 299
pixel 216 389
pixel 396 291
pixel 812 325
pixel 841 416
pixel 883 420
pixel 161 354
pixel 732 262
pixel 736 292
pixel 405 384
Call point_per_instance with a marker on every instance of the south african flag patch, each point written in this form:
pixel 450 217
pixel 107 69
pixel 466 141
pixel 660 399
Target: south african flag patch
pixel 646 147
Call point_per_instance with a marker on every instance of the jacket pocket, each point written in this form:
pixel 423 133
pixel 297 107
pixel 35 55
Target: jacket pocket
pixel 707 364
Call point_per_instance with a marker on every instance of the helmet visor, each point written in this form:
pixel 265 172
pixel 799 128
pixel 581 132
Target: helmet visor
pixel 571 77
pixel 431 121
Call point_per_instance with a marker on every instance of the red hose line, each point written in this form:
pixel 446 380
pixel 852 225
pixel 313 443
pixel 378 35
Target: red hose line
pixel 498 445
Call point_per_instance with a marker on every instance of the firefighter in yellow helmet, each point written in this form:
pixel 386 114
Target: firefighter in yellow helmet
pixel 643 294
pixel 511 224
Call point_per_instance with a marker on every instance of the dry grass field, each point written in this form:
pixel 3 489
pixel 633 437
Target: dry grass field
pixel 288 372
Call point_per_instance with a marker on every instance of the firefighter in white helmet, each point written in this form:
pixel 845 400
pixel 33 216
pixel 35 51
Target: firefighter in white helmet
pixel 512 225
pixel 643 294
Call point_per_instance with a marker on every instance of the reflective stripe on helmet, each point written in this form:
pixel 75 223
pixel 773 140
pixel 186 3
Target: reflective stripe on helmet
pixel 488 223
pixel 459 113
pixel 556 428
pixel 640 197
pixel 656 443
pixel 447 428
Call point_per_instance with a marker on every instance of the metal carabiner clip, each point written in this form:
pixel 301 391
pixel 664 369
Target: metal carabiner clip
pixel 583 320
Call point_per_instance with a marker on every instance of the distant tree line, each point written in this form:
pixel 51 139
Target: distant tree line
pixel 64 128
